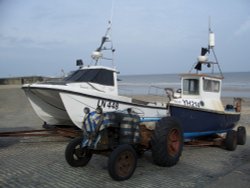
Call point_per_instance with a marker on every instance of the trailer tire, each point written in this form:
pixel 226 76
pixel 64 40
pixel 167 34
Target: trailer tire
pixel 75 155
pixel 241 135
pixel 122 162
pixel 231 140
pixel 167 142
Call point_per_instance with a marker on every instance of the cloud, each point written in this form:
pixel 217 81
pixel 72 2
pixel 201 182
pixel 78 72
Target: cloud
pixel 244 28
pixel 15 41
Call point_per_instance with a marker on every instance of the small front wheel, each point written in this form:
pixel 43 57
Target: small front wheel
pixel 75 155
pixel 122 162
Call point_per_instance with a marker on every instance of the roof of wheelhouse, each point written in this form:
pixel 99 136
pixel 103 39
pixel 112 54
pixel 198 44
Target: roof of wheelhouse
pixel 201 75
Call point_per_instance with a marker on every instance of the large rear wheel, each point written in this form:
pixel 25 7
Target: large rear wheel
pixel 167 142
pixel 75 155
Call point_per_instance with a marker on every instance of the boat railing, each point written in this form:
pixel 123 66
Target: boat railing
pixel 156 91
pixel 157 94
pixel 125 92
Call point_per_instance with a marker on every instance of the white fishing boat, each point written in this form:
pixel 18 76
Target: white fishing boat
pixel 62 103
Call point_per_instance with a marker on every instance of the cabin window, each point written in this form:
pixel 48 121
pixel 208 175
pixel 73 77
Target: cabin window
pixel 191 87
pixel 98 76
pixel 211 85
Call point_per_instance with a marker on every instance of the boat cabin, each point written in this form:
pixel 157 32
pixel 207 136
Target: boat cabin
pixel 200 91
pixel 198 85
pixel 98 78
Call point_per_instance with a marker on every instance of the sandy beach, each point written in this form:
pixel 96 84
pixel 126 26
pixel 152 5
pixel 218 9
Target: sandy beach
pixel 39 162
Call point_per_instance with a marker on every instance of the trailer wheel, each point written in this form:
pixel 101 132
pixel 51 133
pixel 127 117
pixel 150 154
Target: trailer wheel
pixel 241 135
pixel 75 155
pixel 231 140
pixel 167 142
pixel 122 162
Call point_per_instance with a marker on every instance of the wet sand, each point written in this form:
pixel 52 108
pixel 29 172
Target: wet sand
pixel 15 110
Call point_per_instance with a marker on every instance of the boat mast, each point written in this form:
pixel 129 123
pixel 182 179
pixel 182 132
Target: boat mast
pixel 211 44
pixel 97 54
pixel 203 58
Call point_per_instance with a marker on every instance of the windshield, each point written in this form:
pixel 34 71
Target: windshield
pixel 99 76
pixel 211 85
pixel 191 87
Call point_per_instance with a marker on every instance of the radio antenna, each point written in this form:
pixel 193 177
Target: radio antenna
pixel 97 54
pixel 112 11
pixel 209 24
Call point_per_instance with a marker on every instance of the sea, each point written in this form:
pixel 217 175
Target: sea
pixel 234 84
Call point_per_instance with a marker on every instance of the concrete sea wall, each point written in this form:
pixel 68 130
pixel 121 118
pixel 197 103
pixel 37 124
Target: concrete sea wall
pixel 21 80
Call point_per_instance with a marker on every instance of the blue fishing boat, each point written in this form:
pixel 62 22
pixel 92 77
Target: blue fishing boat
pixel 198 106
pixel 200 109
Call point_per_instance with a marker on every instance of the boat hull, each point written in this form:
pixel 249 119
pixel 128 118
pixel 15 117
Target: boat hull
pixel 64 105
pixel 198 122
pixel 48 105
pixel 76 102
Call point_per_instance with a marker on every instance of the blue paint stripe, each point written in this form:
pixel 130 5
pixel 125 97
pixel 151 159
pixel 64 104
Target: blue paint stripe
pixel 150 119
pixel 197 134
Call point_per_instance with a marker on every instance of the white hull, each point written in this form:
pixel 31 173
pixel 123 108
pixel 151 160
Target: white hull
pixel 76 102
pixel 63 105
pixel 48 105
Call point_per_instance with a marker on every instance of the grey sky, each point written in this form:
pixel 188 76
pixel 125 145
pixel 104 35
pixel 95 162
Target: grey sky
pixel 150 37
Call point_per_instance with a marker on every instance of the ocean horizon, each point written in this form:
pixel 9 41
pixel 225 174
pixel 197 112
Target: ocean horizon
pixel 234 84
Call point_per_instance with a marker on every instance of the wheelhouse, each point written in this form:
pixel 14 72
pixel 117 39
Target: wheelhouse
pixel 94 78
pixel 98 76
pixel 201 91
pixel 202 86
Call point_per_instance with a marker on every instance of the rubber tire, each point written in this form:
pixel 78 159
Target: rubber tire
pixel 72 158
pixel 241 135
pixel 161 153
pixel 117 155
pixel 231 140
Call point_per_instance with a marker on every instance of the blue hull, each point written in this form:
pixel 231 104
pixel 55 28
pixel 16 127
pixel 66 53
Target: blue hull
pixel 197 122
